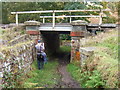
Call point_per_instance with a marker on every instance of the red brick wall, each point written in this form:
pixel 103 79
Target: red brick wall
pixel 33 32
pixel 77 34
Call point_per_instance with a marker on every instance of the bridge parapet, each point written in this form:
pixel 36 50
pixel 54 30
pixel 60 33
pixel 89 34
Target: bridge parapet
pixel 32 28
pixel 78 31
pixel 79 28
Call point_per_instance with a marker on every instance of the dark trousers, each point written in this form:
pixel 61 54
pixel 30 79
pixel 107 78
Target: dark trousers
pixel 40 62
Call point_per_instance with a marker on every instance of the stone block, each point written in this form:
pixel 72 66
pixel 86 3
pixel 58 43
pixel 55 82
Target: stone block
pixel 79 22
pixel 88 51
pixel 33 32
pixel 33 23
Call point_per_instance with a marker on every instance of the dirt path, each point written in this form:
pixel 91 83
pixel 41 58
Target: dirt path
pixel 66 80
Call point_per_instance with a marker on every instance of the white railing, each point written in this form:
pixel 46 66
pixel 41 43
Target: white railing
pixel 57 11
pixel 88 16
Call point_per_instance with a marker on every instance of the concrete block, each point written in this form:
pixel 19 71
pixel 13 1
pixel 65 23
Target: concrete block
pixel 87 50
pixel 79 22
pixel 86 53
pixel 29 23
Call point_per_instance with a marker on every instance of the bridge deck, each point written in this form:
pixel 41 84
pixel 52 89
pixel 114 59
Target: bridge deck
pixel 68 26
pixel 58 27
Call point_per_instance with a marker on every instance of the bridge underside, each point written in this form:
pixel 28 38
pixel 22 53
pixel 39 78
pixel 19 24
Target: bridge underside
pixel 58 27
pixel 67 27
pixel 52 42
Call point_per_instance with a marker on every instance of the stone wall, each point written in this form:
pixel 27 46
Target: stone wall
pixel 16 40
pixel 75 45
pixel 15 59
pixel 5 38
pixel 16 56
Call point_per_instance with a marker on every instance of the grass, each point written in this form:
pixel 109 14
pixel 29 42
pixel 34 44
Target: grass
pixel 74 71
pixel 47 77
pixel 111 47
pixel 65 49
pixel 105 62
pixel 86 79
pixel 108 66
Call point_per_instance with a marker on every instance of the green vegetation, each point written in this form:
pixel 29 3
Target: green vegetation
pixel 107 42
pixel 2 31
pixel 102 69
pixel 11 79
pixel 46 77
pixel 65 36
pixel 110 47
pixel 65 49
pixel 8 7
pixel 110 19
pixel 86 79
pixel 22 32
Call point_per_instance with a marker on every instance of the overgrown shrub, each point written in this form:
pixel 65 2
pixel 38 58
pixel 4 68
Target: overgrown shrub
pixel 109 20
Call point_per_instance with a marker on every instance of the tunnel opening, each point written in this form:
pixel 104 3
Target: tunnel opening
pixel 58 45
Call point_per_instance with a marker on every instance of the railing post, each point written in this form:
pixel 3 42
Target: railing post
pixel 53 19
pixel 16 19
pixel 43 19
pixel 100 21
pixel 70 18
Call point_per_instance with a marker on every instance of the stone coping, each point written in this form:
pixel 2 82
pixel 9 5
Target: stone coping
pixel 79 22
pixel 32 23
pixel 87 50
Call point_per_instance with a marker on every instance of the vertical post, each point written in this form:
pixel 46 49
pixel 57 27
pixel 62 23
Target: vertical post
pixel 70 17
pixel 70 20
pixel 43 19
pixel 16 19
pixel 53 19
pixel 100 21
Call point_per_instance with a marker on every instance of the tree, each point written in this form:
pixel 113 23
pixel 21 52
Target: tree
pixel 8 7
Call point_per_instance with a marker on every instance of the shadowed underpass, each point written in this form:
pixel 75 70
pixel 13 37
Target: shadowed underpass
pixel 52 42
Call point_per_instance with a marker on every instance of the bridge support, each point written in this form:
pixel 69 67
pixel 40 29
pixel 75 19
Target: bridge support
pixel 78 31
pixel 32 29
pixel 52 42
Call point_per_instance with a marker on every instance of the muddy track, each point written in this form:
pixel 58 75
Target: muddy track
pixel 66 80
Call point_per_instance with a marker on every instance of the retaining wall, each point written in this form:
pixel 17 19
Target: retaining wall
pixel 16 57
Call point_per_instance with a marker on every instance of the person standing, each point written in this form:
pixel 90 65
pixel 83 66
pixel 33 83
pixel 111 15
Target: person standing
pixel 41 55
